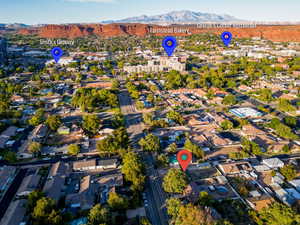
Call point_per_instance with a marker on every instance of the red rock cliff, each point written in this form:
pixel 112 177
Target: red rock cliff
pixel 273 33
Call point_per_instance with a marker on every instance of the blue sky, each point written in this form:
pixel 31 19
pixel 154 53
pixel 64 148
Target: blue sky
pixel 75 11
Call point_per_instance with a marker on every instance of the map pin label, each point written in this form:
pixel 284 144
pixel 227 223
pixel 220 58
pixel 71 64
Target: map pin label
pixel 169 44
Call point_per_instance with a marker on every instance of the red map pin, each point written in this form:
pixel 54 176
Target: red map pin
pixel 184 158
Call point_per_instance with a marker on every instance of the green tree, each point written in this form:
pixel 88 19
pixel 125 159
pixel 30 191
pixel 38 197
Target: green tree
pixel 53 122
pixel 285 105
pixel 150 143
pixel 10 156
pixel 176 117
pixel 148 118
pixel 205 199
pixel 195 149
pixel 118 120
pixel 98 215
pixel 163 160
pixel 210 94
pixel 73 149
pixel 91 124
pixel 44 212
pixel 133 170
pixel 144 221
pixel 175 181
pixel 175 80
pixel 282 130
pixel 38 118
pixel 115 84
pixel 55 218
pixel 193 215
pixel 229 100
pixel 117 202
pixel 227 125
pixel 114 143
pixel 173 205
pixel 276 214
pixel 289 172
pixel 33 197
pixel 34 147
pixel 265 95
pixel 172 148
pixel 290 121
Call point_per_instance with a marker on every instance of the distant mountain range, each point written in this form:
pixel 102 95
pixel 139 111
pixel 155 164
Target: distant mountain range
pixel 13 25
pixel 184 16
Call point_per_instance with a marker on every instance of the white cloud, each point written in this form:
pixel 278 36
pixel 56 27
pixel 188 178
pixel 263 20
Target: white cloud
pixel 100 1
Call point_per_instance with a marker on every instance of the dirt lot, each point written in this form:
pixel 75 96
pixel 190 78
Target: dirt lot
pixel 223 152
pixel 58 139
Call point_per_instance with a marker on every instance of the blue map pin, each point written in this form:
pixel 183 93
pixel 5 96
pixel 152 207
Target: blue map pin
pixel 169 44
pixel 57 52
pixel 226 37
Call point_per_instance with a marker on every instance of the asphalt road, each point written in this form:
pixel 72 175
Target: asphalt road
pixel 155 209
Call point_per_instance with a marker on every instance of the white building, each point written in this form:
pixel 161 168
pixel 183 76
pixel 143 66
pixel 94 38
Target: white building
pixel 296 184
pixel 62 61
pixel 162 64
pixel 87 165
pixel 273 163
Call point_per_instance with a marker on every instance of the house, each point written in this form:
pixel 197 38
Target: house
pixel 218 141
pixel 84 165
pixel 6 135
pixel 296 184
pixel 39 133
pixel 269 142
pixel 63 130
pixel 17 99
pixel 93 164
pixel 259 202
pixel 29 184
pixel 55 184
pixel 235 167
pixel 113 180
pixel 15 213
pixel 273 163
pixel 250 130
pixel 85 198
pixel 288 196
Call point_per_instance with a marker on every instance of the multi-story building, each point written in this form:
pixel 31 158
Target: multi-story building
pixel 3 51
pixel 154 65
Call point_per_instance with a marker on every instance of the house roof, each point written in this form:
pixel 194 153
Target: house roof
pixel 53 187
pixel 295 183
pixel 235 167
pixel 56 180
pixel 111 180
pixel 107 162
pixel 261 202
pixel 59 168
pixel 30 183
pixel 9 132
pixel 84 163
pixel 250 130
pixel 273 162
pixel 86 195
pixel 261 168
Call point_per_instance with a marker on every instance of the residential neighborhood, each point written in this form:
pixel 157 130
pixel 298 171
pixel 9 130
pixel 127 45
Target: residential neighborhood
pixel 94 138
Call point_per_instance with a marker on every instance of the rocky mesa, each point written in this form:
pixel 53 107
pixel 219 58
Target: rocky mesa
pixel 283 33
